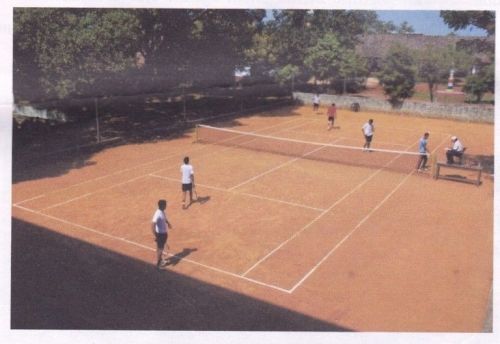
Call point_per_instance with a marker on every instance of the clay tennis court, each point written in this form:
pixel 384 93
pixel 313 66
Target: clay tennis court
pixel 300 244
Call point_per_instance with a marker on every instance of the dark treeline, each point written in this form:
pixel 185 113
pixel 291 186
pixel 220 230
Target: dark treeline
pixel 68 53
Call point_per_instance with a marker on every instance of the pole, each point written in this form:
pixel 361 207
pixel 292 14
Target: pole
pixel 97 122
pixel 184 102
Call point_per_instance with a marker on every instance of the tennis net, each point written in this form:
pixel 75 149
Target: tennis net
pixel 400 161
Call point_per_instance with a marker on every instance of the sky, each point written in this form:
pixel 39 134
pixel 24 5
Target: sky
pixel 426 22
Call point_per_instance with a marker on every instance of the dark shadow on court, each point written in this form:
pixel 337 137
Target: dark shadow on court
pixel 457 178
pixel 202 199
pixel 177 257
pixel 199 200
pixel 486 161
pixel 43 148
pixel 58 282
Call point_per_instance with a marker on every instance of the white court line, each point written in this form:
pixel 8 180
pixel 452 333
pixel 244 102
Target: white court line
pixel 169 157
pixel 349 234
pixel 319 216
pixel 95 231
pixel 197 184
pixel 277 167
pixel 357 226
pixel 279 201
pixel 227 148
pixel 93 193
pixel 98 191
pixel 243 193
pixel 97 178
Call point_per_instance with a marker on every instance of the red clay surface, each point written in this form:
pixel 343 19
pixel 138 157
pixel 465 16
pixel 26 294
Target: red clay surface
pixel 351 248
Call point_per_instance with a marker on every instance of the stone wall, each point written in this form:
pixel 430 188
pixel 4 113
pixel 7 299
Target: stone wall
pixel 462 112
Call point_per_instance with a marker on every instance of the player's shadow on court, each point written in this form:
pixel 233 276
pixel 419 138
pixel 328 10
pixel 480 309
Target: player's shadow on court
pixel 176 258
pixel 199 199
pixel 202 199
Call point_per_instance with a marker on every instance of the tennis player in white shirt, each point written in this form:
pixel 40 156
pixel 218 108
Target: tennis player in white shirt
pixel 187 182
pixel 160 226
pixel 367 130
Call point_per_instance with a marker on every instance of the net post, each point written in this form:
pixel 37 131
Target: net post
pixel 196 132
pixel 433 163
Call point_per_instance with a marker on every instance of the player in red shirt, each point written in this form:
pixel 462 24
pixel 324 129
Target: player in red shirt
pixel 332 113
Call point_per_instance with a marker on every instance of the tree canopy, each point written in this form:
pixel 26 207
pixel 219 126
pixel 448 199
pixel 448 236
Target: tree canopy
pixel 74 52
pixel 398 74
pixel 81 52
pixel 68 50
pixel 462 19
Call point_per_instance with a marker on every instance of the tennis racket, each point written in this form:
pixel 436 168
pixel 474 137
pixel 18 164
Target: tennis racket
pixel 194 191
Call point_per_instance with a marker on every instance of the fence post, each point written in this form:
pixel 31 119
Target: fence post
pixel 98 134
pixel 184 102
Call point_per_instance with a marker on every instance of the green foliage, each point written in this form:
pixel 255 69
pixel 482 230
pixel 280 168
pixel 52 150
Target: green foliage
pixel 398 74
pixel 462 19
pixel 324 59
pixel 287 74
pixel 299 35
pixel 290 34
pixel 434 64
pixel 86 52
pixel 385 27
pixel 489 77
pixel 405 28
pixel 480 83
pixel 260 56
pixel 70 49
pixel 347 25
pixel 330 61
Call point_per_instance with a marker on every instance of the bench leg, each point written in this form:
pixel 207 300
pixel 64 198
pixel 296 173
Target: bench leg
pixel 436 172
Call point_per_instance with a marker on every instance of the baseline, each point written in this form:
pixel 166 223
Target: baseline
pixel 133 243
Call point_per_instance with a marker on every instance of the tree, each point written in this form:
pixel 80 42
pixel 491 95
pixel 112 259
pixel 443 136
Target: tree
pixel 462 19
pixel 71 50
pixel 68 52
pixel 293 33
pixel 398 74
pixel 218 44
pixel 287 74
pixel 289 37
pixel 433 67
pixel 260 56
pixel 353 71
pixel 348 25
pixel 383 27
pixel 324 59
pixel 328 60
pixel 196 46
pixel 480 83
pixel 405 28
pixel 476 86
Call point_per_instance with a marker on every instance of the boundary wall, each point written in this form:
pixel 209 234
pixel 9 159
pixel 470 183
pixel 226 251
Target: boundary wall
pixel 462 112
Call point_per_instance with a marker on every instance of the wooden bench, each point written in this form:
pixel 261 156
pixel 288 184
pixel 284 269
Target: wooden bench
pixel 466 167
